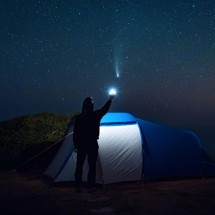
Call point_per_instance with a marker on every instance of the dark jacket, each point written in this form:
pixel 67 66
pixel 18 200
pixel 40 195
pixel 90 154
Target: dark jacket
pixel 86 127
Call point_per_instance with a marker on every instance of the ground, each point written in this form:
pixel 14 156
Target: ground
pixel 23 195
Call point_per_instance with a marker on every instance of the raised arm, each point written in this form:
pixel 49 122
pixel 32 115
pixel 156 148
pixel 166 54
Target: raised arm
pixel 106 107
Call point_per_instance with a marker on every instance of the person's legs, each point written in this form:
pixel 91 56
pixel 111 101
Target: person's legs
pixel 92 158
pixel 81 155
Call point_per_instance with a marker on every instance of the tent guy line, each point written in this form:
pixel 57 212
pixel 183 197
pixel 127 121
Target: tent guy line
pixel 40 153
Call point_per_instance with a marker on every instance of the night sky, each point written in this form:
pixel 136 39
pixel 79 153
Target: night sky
pixel 159 54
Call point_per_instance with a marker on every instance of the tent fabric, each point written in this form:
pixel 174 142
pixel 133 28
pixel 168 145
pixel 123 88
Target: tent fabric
pixel 118 118
pixel 63 155
pixel 120 153
pixel 132 149
pixel 169 152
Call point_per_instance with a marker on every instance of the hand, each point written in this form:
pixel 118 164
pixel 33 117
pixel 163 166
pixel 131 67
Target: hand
pixel 111 97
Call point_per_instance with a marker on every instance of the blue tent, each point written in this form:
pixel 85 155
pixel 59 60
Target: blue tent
pixel 134 149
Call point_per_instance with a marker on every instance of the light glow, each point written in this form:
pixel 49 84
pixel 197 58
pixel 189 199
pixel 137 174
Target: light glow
pixel 112 92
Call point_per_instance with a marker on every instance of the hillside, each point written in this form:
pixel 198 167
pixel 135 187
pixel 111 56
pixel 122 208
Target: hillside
pixel 24 137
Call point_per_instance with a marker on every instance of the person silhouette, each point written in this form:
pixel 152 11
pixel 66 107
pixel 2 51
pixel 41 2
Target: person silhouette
pixel 85 136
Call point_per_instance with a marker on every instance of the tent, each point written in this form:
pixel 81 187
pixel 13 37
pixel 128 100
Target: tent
pixel 132 149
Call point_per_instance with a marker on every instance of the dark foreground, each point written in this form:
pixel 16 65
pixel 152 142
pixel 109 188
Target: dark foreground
pixel 22 195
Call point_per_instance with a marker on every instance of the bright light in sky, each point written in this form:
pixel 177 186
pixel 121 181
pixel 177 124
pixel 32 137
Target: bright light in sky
pixel 112 92
pixel 117 71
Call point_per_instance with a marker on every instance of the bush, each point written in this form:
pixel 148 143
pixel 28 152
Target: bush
pixel 23 137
